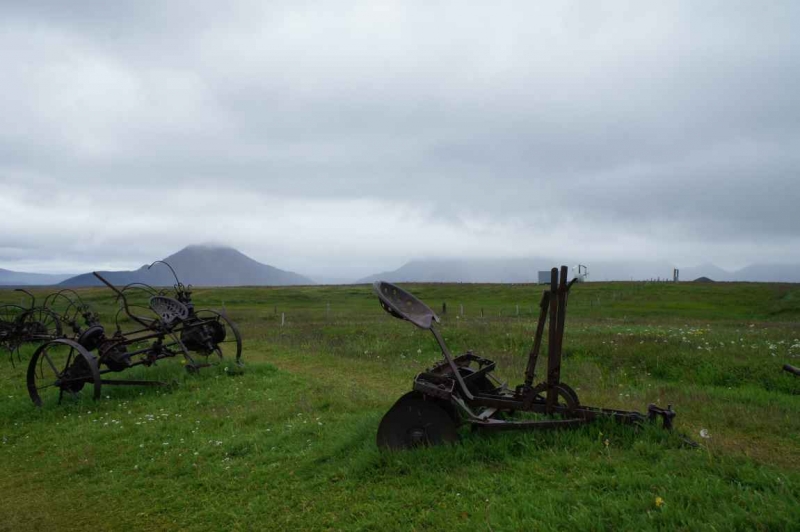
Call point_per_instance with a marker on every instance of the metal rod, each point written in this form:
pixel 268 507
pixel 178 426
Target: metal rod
pixel 124 300
pixel 175 275
pixel 562 315
pixel 33 298
pixel 494 424
pixel 453 367
pixel 552 343
pixel 533 356
pixel 132 382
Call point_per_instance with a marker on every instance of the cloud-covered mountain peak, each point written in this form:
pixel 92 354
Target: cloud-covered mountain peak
pixel 201 265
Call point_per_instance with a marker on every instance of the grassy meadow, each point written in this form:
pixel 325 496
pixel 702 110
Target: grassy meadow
pixel 289 443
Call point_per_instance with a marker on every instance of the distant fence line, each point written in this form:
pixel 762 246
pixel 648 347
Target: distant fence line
pixel 516 310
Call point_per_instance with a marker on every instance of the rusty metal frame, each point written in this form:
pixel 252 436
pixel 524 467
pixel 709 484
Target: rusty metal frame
pixel 454 381
pixel 178 330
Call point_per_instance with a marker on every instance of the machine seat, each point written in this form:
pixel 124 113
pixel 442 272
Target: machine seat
pixel 403 305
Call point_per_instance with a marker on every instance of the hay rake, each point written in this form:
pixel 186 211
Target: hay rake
pixel 462 389
pixel 170 327
pixel 22 325
pixel 73 313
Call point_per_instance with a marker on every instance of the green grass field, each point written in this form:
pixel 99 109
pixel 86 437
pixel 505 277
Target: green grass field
pixel 289 444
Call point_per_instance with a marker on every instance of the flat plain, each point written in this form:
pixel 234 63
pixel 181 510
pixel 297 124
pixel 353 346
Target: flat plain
pixel 289 442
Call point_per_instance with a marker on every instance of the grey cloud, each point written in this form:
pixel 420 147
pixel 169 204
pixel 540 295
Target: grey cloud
pixel 478 118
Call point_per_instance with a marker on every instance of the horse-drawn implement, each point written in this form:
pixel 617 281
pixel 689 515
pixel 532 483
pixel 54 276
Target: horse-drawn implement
pixel 169 327
pixel 462 389
pixel 21 325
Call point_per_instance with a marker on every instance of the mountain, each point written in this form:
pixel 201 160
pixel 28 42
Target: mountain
pixel 463 270
pixel 786 273
pixel 10 278
pixel 515 270
pixel 629 270
pixel 707 270
pixel 200 266
pixel 755 273
pixel 525 271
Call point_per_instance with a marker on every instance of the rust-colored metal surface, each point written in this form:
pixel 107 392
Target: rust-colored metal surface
pixel 169 326
pixel 462 389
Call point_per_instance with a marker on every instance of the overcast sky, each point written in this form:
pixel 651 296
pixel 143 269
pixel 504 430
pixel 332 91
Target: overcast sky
pixel 345 138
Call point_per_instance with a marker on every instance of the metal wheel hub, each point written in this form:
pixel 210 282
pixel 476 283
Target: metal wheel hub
pixel 417 436
pixel 69 382
pixel 414 421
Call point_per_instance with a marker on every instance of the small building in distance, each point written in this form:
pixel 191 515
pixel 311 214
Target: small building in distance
pixel 579 272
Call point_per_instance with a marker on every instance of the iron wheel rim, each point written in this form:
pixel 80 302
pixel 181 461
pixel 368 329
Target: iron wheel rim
pixel 62 368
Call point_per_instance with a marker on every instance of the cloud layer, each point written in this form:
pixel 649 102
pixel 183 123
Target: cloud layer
pixel 350 137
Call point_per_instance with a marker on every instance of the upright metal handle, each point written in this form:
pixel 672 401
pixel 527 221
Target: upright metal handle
pixel 453 367
pixel 121 295
pixel 533 356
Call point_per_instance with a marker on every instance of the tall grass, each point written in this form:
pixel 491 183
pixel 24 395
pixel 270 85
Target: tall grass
pixel 289 444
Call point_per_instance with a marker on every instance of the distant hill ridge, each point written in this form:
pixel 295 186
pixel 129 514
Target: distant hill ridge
pixel 203 265
pixel 525 271
pixel 200 266
pixel 12 278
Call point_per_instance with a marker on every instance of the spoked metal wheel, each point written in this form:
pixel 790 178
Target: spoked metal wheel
pixel 415 421
pixel 62 368
pixel 214 337
pixel 10 313
pixel 40 324
pixel 10 330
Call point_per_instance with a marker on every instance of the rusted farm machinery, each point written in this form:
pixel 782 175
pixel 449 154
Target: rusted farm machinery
pixel 73 313
pixel 462 389
pixel 21 325
pixel 169 327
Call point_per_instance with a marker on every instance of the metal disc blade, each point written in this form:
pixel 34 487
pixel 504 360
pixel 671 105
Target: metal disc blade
pixel 414 421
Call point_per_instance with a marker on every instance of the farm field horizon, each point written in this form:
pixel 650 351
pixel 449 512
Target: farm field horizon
pixel 289 441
